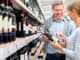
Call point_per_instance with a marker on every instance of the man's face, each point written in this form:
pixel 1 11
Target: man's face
pixel 58 11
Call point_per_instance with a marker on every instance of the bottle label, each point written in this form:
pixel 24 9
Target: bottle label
pixel 13 23
pixel 19 26
pixel 5 24
pixel 10 24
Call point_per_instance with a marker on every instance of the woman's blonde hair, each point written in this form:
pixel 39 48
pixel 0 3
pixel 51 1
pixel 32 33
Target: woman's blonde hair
pixel 76 6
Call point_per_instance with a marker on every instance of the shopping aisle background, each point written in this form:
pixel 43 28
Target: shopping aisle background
pixel 28 21
pixel 46 6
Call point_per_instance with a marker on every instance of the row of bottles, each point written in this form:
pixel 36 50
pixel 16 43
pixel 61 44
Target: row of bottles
pixel 5 5
pixel 7 27
pixel 21 54
pixel 12 25
pixel 15 56
pixel 24 28
pixel 7 23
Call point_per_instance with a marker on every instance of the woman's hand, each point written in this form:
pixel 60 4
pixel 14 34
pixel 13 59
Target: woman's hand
pixel 61 36
pixel 56 45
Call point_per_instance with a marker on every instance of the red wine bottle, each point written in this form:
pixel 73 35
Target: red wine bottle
pixel 20 30
pixel 10 28
pixel 4 27
pixel 1 27
pixel 13 28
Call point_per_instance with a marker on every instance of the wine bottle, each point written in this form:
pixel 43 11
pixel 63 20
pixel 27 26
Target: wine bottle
pixel 13 28
pixel 22 28
pixel 4 28
pixel 2 7
pixel 0 27
pixel 10 28
pixel 18 23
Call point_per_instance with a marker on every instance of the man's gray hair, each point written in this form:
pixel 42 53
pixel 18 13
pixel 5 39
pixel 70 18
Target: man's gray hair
pixel 57 3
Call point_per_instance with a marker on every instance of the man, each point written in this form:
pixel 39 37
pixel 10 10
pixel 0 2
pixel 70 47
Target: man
pixel 72 49
pixel 56 24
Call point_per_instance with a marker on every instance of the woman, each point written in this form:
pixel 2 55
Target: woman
pixel 72 50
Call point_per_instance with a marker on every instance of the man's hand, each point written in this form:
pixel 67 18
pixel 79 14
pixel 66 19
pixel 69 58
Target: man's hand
pixel 44 38
pixel 56 45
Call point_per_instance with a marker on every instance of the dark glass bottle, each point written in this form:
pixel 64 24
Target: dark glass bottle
pixel 10 28
pixel 2 6
pixel 18 22
pixel 13 28
pixel 1 27
pixel 20 30
pixel 4 27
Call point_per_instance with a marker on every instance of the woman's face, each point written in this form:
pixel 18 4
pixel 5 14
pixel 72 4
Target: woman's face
pixel 72 15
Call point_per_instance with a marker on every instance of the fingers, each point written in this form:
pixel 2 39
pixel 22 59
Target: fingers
pixel 60 35
pixel 45 38
pixel 53 43
pixel 56 45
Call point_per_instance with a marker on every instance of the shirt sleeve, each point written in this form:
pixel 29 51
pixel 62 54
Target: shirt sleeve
pixel 72 28
pixel 72 36
pixel 69 52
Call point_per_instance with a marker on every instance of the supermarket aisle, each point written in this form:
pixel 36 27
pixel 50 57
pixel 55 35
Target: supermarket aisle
pixel 20 24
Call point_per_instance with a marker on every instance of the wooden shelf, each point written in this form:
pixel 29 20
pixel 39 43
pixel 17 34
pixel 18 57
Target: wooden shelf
pixel 38 51
pixel 10 48
pixel 19 5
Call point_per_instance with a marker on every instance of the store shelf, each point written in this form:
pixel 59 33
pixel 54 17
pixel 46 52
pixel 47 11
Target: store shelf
pixel 38 51
pixel 10 48
pixel 19 5
pixel 40 8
